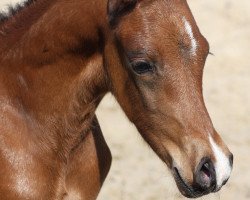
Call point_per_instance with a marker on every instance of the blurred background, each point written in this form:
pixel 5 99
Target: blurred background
pixel 136 172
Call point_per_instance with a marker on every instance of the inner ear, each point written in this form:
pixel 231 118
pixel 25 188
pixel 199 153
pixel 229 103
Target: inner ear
pixel 118 8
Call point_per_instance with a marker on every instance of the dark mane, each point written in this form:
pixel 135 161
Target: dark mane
pixel 13 10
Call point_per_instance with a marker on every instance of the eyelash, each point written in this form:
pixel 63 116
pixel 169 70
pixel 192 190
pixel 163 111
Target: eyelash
pixel 142 67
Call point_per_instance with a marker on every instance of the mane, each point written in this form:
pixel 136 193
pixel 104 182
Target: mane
pixel 13 10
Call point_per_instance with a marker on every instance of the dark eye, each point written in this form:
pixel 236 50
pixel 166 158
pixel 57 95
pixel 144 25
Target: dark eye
pixel 142 67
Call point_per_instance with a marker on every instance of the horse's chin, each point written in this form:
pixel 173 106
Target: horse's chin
pixel 186 189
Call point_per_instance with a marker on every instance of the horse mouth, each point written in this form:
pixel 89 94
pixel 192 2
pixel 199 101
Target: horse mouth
pixel 185 189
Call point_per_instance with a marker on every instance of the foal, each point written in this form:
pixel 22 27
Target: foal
pixel 58 58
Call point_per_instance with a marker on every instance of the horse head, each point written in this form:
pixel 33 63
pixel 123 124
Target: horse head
pixel 155 59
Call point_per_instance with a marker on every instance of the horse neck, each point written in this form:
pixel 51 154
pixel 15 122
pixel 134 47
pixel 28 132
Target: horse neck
pixel 52 25
pixel 55 68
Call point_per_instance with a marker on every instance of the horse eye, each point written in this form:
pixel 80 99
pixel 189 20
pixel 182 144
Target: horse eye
pixel 142 67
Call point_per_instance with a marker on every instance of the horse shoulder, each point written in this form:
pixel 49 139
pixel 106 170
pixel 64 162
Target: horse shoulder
pixel 25 171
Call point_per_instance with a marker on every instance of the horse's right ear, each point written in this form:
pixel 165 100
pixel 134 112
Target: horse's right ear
pixel 118 8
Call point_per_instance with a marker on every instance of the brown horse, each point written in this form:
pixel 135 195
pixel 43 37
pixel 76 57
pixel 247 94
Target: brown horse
pixel 58 58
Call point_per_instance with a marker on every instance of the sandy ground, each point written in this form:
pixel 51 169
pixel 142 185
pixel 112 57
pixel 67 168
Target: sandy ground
pixel 136 173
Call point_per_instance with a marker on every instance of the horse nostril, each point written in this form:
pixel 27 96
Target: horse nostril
pixel 205 176
pixel 205 169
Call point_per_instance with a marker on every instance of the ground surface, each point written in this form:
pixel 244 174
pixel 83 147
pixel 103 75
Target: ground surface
pixel 136 173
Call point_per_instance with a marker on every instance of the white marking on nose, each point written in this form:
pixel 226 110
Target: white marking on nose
pixel 222 166
pixel 189 31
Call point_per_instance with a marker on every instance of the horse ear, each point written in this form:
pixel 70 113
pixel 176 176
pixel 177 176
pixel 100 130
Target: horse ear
pixel 118 8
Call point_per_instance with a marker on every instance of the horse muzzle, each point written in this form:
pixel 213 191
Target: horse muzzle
pixel 205 179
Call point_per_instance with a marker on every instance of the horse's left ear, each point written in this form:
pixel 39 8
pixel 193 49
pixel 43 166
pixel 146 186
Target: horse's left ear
pixel 118 8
